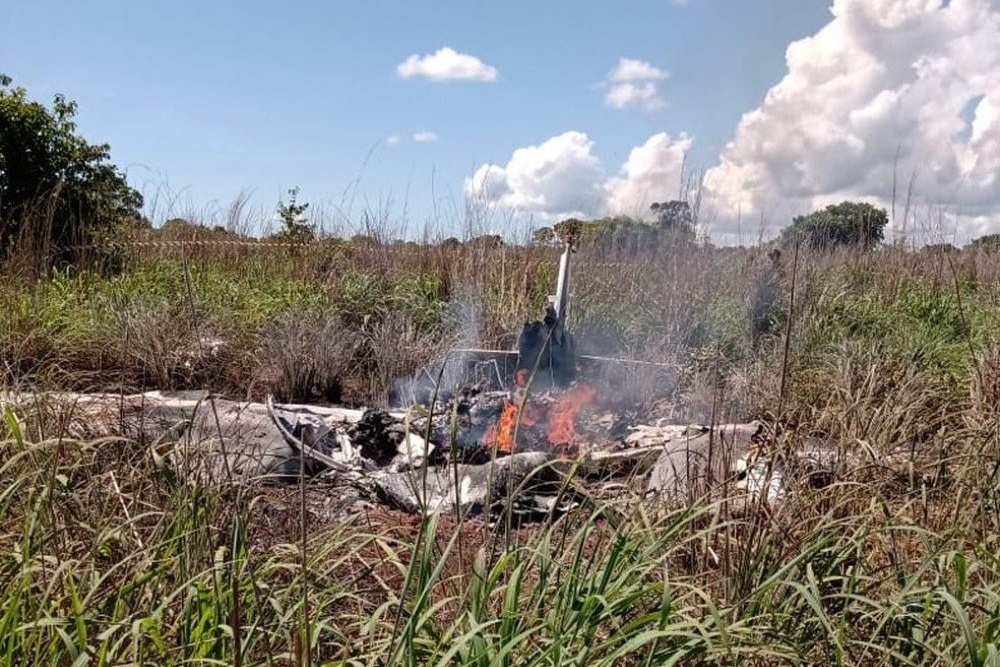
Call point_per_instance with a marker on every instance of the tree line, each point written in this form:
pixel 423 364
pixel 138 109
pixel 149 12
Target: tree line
pixel 61 193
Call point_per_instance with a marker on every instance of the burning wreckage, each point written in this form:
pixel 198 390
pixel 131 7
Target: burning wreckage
pixel 520 439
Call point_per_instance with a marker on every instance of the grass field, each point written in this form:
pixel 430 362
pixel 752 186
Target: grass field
pixel 110 559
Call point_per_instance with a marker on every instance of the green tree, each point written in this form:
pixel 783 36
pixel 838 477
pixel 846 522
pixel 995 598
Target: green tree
pixel 988 243
pixel 57 191
pixel 675 218
pixel 486 241
pixel 617 234
pixel 570 227
pixel 293 217
pixel 544 236
pixel 620 234
pixel 849 224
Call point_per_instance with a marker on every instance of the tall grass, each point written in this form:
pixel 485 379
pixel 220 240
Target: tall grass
pixel 112 559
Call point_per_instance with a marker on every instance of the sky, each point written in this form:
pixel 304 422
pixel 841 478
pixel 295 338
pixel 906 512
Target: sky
pixel 461 117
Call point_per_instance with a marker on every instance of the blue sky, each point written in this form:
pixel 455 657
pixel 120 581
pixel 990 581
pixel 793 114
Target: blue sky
pixel 203 100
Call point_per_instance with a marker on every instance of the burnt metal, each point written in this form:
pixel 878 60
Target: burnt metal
pixel 544 357
pixel 378 440
pixel 545 350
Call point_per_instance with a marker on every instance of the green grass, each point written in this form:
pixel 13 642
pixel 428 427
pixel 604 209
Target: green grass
pixel 109 558
pixel 140 568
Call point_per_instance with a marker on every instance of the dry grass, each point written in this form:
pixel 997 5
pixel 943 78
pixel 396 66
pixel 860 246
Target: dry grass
pixel 114 560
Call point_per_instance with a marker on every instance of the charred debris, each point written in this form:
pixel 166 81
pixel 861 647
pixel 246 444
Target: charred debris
pixel 520 426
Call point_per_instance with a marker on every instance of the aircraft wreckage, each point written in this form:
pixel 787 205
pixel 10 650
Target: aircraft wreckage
pixel 522 441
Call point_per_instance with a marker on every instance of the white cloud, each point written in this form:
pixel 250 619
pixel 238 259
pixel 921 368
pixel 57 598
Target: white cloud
pixel 392 140
pixel 561 177
pixel 629 69
pixel 425 136
pixel 888 93
pixel 635 83
pixel 446 64
pixel 654 172
pixel 889 90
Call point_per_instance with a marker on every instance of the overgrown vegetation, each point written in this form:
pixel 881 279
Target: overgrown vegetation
pixel 111 559
pixel 58 193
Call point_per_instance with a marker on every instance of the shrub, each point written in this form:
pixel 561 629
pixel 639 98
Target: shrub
pixel 295 226
pixel 850 224
pixel 57 191
pixel 305 358
pixel 988 243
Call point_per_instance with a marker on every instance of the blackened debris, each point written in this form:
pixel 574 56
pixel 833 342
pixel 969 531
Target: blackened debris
pixel 378 440
pixel 546 353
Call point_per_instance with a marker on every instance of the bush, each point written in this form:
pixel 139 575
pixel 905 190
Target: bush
pixel 57 192
pixel 850 224
pixel 988 243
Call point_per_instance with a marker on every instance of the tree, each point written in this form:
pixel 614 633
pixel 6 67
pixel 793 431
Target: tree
pixel 849 224
pixel 293 216
pixel 620 234
pixel 486 241
pixel 940 249
pixel 617 234
pixel 57 191
pixel 675 218
pixel 988 243
pixel 570 227
pixel 544 236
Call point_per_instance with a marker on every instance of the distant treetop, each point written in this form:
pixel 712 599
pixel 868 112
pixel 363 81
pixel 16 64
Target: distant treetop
pixel 674 223
pixel 988 243
pixel 847 224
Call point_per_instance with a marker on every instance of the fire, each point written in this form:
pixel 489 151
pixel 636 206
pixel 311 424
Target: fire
pixel 503 433
pixel 562 416
pixel 558 417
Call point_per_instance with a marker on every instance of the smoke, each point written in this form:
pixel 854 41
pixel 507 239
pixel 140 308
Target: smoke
pixel 446 375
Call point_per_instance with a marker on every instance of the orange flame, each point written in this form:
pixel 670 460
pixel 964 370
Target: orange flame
pixel 562 416
pixel 559 418
pixel 502 434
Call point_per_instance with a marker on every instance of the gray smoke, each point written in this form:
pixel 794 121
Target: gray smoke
pixel 444 376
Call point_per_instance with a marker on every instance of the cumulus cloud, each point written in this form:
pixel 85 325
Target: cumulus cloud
pixel 887 92
pixel 559 177
pixel 891 96
pixel 562 177
pixel 392 140
pixel 446 64
pixel 654 172
pixel 425 136
pixel 635 83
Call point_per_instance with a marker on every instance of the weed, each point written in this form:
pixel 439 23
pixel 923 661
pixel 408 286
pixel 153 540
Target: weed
pixel 112 559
